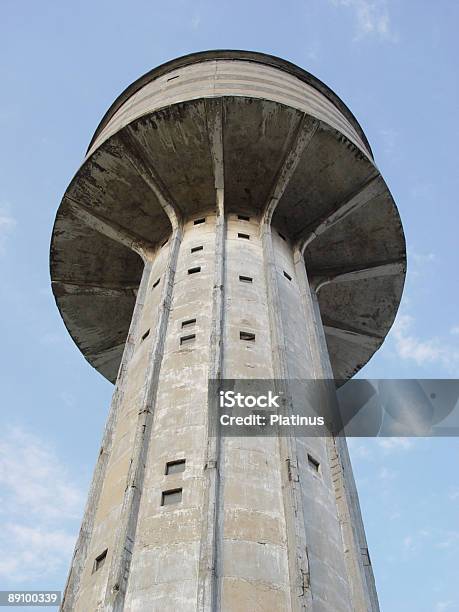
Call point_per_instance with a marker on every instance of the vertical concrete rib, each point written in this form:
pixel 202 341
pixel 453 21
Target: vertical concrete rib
pixel 300 594
pixel 358 567
pixel 119 569
pixel 109 228
pixel 84 537
pixel 208 589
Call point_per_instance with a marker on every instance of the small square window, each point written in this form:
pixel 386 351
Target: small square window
pixel 243 218
pixel 199 221
pixel 194 270
pixel 245 236
pixel 145 335
pixel 100 560
pixel 156 283
pixel 197 248
pixel 188 323
pixel 313 463
pixel 245 279
pixel 175 467
pixel 247 336
pixel 187 339
pixel 173 496
pixel 287 276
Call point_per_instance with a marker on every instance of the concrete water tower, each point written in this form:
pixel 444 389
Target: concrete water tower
pixel 228 221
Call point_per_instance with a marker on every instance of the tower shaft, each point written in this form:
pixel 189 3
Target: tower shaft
pixel 247 524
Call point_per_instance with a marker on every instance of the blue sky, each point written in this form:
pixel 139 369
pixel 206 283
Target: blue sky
pixel 62 64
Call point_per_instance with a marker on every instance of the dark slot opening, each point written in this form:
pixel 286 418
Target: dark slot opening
pixel 156 283
pixel 164 243
pixel 173 496
pixel 146 334
pixel 187 339
pixel 247 336
pixel 199 221
pixel 245 236
pixel 282 236
pixel 188 323
pixel 197 248
pixel 313 463
pixel 100 560
pixel 194 270
pixel 175 467
pixel 245 279
pixel 243 218
pixel 287 276
pixel 173 77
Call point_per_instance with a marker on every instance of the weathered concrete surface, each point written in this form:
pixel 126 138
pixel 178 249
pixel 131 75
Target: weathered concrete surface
pixel 195 158
pixel 335 202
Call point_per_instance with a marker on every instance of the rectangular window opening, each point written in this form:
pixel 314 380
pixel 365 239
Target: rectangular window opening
pixel 156 283
pixel 199 221
pixel 175 467
pixel 194 270
pixel 245 279
pixel 197 248
pixel 173 496
pixel 245 236
pixel 247 336
pixel 313 463
pixel 146 334
pixel 188 323
pixel 287 276
pixel 243 218
pixel 187 339
pixel 100 560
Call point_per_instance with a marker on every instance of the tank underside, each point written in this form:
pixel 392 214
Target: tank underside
pixel 335 204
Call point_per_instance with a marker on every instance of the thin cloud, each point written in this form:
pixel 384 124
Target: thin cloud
pixel 395 444
pixel 449 540
pixel 32 478
pixel 442 606
pixel 386 475
pixel 40 509
pixel 34 553
pixel 389 139
pixel 195 22
pixel 7 225
pixel 423 351
pixel 371 16
pixel 418 262
pixel 358 448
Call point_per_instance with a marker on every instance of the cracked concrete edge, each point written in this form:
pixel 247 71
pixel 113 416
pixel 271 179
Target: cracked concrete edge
pixel 119 568
pixel 84 538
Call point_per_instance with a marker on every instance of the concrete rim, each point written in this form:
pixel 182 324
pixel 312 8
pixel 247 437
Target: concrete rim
pixel 231 54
